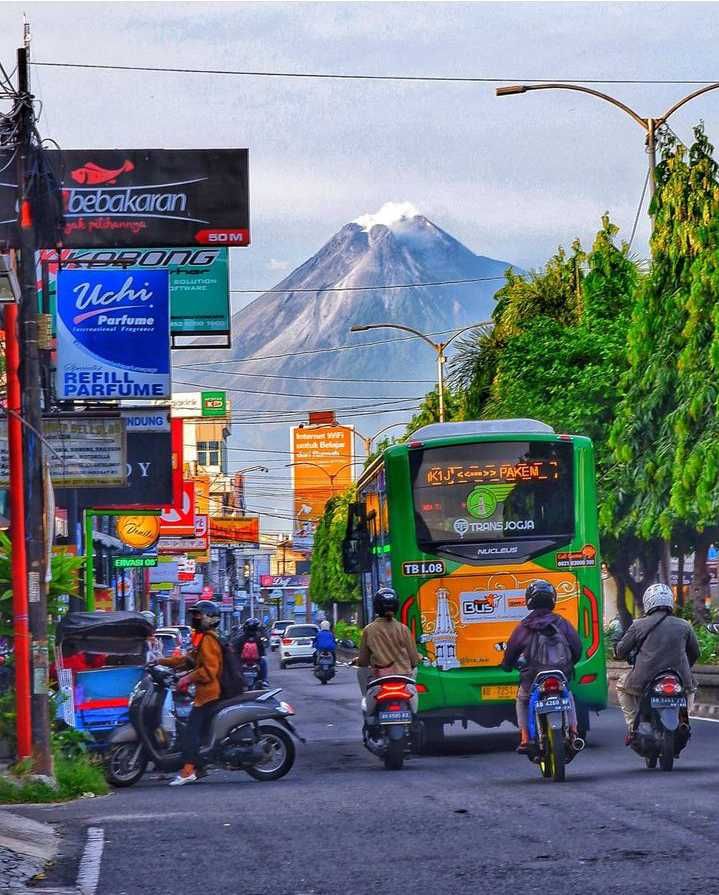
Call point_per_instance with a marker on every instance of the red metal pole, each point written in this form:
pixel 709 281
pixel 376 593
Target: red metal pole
pixel 21 632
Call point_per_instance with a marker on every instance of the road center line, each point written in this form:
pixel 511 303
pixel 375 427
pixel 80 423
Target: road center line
pixel 88 876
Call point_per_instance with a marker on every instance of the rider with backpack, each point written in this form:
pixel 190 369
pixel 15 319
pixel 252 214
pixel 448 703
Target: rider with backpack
pixel 250 648
pixel 543 640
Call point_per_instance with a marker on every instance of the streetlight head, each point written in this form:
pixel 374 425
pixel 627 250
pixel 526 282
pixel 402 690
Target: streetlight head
pixel 359 328
pixel 512 89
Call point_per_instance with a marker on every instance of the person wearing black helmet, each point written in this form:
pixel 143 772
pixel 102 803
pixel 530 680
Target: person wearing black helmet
pixel 387 646
pixel 250 648
pixel 540 598
pixel 204 668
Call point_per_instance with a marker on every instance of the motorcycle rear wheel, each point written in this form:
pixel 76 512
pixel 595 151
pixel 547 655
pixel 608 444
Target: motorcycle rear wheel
pixel 117 772
pixel 394 756
pixel 280 755
pixel 666 757
pixel 557 753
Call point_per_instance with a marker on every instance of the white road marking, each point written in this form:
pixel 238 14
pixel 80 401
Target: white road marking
pixel 88 875
pixel 699 718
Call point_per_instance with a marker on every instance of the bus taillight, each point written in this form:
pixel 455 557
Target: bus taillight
pixel 587 679
pixel 596 631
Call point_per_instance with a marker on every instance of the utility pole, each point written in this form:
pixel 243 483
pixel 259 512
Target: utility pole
pixel 32 397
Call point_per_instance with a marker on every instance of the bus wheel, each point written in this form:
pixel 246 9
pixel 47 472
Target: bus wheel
pixel 583 725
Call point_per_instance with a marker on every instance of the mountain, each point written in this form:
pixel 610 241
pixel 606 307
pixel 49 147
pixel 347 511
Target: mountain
pixel 290 330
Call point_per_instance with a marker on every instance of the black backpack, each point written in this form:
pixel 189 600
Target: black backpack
pixel 232 681
pixel 548 649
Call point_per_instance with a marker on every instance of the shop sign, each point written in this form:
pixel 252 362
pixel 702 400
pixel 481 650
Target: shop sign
pixel 138 532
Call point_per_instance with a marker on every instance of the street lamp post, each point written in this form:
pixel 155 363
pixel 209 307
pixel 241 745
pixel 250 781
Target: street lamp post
pixel 438 347
pixel 330 475
pixel 650 125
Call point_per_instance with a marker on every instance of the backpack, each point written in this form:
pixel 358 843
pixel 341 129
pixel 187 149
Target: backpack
pixel 549 648
pixel 232 681
pixel 250 652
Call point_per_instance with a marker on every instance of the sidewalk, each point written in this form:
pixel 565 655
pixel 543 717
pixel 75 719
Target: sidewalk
pixel 26 846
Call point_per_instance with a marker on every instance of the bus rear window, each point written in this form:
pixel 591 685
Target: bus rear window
pixel 492 491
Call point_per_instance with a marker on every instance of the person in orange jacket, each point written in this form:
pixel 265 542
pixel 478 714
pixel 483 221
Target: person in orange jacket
pixel 205 664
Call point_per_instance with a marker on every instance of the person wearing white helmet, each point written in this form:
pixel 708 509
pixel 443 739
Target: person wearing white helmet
pixel 651 644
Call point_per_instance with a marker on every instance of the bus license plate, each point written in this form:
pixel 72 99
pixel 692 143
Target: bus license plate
pixel 394 717
pixel 504 691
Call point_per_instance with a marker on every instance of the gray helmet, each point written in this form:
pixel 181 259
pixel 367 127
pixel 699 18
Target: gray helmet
pixel 150 617
pixel 658 596
pixel 204 614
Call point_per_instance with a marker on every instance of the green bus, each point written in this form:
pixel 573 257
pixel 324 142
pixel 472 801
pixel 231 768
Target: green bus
pixel 459 519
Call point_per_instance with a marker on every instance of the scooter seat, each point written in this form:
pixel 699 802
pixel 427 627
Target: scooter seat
pixel 248 696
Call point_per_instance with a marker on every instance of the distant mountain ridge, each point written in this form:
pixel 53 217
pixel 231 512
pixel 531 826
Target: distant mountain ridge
pixel 291 328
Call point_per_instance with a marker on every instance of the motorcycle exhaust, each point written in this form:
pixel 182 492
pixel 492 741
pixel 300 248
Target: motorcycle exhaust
pixel 578 744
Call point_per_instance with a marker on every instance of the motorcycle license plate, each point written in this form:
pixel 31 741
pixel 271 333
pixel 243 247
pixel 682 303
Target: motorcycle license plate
pixel 325 663
pixel 668 702
pixel 394 717
pixel 553 704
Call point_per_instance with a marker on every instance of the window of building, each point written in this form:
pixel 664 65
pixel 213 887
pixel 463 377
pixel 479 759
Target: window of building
pixel 209 453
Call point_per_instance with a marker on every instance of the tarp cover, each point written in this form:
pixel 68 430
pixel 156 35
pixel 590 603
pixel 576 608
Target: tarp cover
pixel 82 625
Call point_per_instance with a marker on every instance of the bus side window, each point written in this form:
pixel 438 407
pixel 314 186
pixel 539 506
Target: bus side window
pixel 356 546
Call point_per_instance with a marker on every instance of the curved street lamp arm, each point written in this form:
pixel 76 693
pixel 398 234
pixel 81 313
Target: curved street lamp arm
pixel 487 323
pixel 407 329
pixel 686 99
pixel 307 463
pixel 523 88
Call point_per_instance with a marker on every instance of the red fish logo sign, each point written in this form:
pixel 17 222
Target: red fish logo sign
pixel 94 175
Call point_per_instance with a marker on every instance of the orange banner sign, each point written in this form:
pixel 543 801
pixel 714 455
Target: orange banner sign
pixel 243 530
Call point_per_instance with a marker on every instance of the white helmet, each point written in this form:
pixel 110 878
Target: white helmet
pixel 658 596
pixel 325 625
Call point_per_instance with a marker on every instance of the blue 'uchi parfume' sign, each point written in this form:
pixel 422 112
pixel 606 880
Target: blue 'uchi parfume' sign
pixel 113 334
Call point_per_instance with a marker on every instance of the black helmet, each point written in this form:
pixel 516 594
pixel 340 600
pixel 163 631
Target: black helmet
pixel 540 594
pixel 205 614
pixel 251 626
pixel 385 600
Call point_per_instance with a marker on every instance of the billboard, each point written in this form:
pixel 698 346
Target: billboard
pixel 142 197
pixel 113 334
pixel 180 519
pixel 82 453
pixel 239 530
pixel 149 476
pixel 322 461
pixel 198 281
pixel 199 405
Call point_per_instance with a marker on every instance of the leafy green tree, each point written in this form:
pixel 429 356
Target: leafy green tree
pixel 329 583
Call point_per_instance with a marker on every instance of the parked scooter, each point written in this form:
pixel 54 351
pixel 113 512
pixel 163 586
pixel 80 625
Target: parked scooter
pixel 390 714
pixel 248 733
pixel 550 707
pixel 661 729
pixel 325 666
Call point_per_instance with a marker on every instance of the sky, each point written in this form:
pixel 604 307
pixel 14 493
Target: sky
pixel 511 177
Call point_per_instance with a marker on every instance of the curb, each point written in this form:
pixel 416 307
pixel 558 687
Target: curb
pixel 26 846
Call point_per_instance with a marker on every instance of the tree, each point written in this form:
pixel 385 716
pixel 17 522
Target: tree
pixel 664 435
pixel 329 583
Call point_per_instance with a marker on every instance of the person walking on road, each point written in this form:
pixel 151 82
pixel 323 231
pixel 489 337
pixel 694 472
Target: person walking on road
pixel 656 642
pixel 205 664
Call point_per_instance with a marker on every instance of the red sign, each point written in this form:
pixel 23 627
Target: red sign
pixel 177 436
pixel 243 530
pixel 322 418
pixel 180 520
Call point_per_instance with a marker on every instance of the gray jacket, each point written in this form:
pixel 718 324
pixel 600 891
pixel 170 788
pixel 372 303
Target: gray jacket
pixel 672 645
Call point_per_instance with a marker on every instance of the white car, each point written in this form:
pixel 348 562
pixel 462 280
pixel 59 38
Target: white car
pixel 297 644
pixel 278 629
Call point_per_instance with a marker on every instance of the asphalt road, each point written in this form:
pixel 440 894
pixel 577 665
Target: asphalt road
pixel 476 818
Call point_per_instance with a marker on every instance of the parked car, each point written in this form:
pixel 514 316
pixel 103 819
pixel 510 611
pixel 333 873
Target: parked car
pixel 297 644
pixel 278 629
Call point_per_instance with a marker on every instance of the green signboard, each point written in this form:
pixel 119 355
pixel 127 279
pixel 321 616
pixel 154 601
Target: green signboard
pixel 134 562
pixel 199 282
pixel 214 403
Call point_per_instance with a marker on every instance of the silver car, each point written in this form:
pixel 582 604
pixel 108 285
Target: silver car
pixel 297 644
pixel 278 629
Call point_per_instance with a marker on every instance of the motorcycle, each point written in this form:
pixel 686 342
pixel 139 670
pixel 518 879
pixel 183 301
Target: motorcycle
pixel 252 673
pixel 661 728
pixel 251 732
pixel 324 669
pixel 390 712
pixel 550 707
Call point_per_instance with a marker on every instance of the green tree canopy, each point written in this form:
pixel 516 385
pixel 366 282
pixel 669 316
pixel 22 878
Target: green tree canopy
pixel 329 583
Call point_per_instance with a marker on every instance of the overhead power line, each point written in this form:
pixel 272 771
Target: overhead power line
pixel 336 76
pixel 460 282
pixel 250 391
pixel 197 369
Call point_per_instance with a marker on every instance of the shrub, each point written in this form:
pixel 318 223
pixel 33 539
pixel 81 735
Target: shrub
pixel 346 631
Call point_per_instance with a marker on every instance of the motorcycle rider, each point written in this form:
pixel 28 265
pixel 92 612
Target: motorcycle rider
pixel 387 646
pixel 657 641
pixel 540 598
pixel 250 648
pixel 325 641
pixel 205 664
